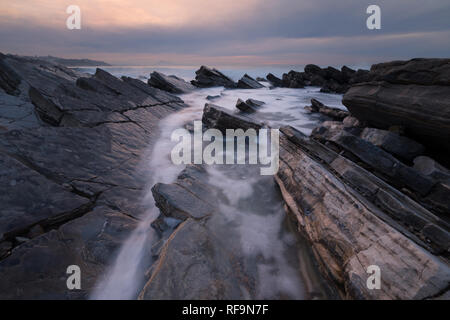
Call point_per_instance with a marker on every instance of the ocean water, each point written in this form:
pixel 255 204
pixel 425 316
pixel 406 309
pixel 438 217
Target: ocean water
pixel 251 207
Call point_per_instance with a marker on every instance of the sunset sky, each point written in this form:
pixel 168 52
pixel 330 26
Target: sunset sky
pixel 227 33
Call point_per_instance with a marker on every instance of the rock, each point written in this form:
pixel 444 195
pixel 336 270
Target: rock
pixel 428 167
pixel 347 73
pixel 400 147
pixel 206 78
pixel 293 79
pixel 220 118
pixel 171 84
pixel 350 121
pixel 248 106
pixel 335 203
pixel 247 82
pixel 37 268
pixel 261 79
pixel 83 152
pixel 211 98
pixel 254 102
pixel 334 113
pixel 274 80
pixel 414 94
pixel 313 69
pixel 194 262
pixel 245 107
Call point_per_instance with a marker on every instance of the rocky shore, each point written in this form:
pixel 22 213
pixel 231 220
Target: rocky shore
pixel 370 186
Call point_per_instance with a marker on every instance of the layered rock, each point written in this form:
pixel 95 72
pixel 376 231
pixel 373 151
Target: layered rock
pixel 353 220
pixel 249 106
pixel 274 80
pixel 71 175
pixel 247 82
pixel 194 262
pixel 172 84
pixel 206 77
pixel 333 113
pixel 222 119
pixel 331 80
pixel 413 94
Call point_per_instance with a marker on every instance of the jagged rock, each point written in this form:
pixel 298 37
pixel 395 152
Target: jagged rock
pixel 334 200
pixel 334 113
pixel 245 107
pixel 350 121
pixel 211 98
pixel 428 167
pixel 172 84
pixel 220 118
pixel 414 94
pixel 250 105
pixel 293 79
pixel 254 102
pixel 401 147
pixel 194 262
pixel 274 80
pixel 81 154
pixel 261 79
pixel 206 77
pixel 347 73
pixel 37 268
pixel 247 82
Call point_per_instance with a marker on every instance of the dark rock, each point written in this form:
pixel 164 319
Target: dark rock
pixel 401 147
pixel 37 268
pixel 254 103
pixel 247 82
pixel 261 79
pixel 342 210
pixel 222 119
pixel 334 113
pixel 211 98
pixel 293 79
pixel 206 77
pixel 313 69
pixel 274 80
pixel 245 107
pixel 409 95
pixel 347 73
pixel 172 84
pixel 431 168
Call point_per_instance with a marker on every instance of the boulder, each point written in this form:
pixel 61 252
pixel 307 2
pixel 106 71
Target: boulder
pixel 172 84
pixel 222 119
pixel 354 220
pixel 249 106
pixel 334 113
pixel 399 146
pixel 274 80
pixel 247 82
pixel 414 94
pixel 244 107
pixel 207 77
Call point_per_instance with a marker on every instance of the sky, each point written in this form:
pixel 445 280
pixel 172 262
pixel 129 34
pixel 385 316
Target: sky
pixel 227 33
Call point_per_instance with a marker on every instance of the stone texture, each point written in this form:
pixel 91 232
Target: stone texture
pixel 171 84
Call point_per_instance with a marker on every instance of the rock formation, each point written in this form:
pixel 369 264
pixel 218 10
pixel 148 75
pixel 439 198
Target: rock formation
pixel 207 77
pixel 172 84
pixel 247 82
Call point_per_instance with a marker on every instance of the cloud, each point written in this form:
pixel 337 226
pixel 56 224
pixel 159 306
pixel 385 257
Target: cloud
pixel 235 32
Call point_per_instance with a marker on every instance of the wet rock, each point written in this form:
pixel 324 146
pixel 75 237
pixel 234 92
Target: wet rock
pixel 401 147
pixel 37 268
pixel 172 84
pixel 293 79
pixel 82 153
pixel 261 79
pixel 194 261
pixel 429 167
pixel 334 113
pixel 207 77
pixel 335 202
pixel 245 107
pixel 222 119
pixel 414 94
pixel 211 98
pixel 247 82
pixel 274 80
